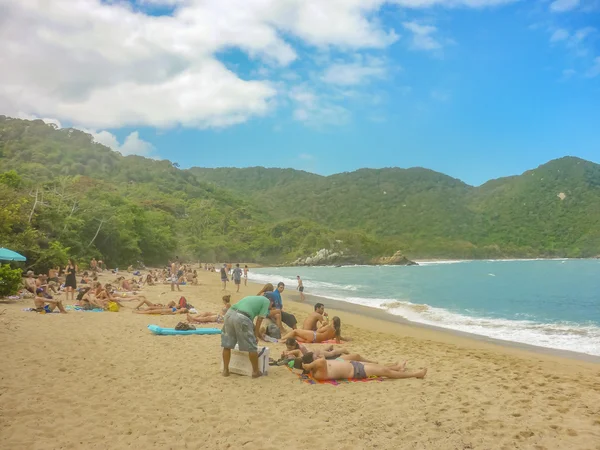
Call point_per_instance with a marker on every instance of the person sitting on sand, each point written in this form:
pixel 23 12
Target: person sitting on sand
pixel 317 318
pixel 48 305
pixel 30 282
pixel 322 369
pixel 332 330
pixel 296 350
pixel 208 317
pixel 195 278
pixel 149 280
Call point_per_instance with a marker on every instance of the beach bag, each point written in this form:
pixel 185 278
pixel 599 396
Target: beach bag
pixel 112 307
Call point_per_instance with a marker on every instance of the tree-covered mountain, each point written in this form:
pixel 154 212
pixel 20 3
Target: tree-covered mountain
pixel 61 193
pixel 553 210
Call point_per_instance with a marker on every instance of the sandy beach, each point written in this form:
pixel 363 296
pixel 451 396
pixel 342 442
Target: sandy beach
pixel 102 381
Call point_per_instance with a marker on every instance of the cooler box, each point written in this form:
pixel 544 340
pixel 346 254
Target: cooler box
pixel 240 364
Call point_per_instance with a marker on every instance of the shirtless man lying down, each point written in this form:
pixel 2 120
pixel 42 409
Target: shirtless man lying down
pixel 322 369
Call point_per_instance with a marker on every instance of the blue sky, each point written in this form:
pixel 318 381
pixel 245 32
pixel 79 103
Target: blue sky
pixel 473 88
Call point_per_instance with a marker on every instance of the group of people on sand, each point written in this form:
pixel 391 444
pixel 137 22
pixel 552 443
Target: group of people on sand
pixel 243 327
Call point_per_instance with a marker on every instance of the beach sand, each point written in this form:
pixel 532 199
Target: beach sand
pixel 102 381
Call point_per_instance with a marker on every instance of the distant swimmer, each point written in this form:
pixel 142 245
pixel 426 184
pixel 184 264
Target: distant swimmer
pixel 300 288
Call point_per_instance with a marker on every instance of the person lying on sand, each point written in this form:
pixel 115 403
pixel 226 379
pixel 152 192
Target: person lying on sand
pixel 317 318
pixel 207 317
pixel 296 350
pixel 171 308
pixel 322 369
pixel 332 330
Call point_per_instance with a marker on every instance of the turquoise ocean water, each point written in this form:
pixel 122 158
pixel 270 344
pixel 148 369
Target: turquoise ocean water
pixel 549 303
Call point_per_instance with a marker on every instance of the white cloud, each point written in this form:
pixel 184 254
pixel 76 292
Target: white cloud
pixel 422 36
pixel 568 73
pixel 306 156
pixel 105 64
pixel 360 71
pixel 594 71
pixel 316 111
pixel 563 5
pixel 132 145
pixel 559 35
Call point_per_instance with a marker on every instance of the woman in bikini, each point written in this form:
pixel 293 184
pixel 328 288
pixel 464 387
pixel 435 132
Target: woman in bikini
pixel 207 317
pixel 332 330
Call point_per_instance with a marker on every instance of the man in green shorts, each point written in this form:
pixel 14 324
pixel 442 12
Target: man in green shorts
pixel 239 328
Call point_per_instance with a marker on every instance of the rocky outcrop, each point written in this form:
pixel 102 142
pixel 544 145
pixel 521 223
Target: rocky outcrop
pixel 398 259
pixel 326 257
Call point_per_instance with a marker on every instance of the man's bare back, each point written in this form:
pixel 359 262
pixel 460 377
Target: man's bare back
pixel 322 369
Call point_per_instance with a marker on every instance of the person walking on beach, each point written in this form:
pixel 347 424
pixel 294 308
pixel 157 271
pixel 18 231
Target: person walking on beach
pixel 71 279
pixel 224 277
pixel 246 275
pixel 237 276
pixel 300 288
pixel 175 275
pixel 239 328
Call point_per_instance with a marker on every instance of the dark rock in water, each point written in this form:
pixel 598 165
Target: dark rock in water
pixel 397 259
pixel 325 257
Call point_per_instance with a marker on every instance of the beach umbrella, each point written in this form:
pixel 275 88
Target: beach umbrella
pixel 9 255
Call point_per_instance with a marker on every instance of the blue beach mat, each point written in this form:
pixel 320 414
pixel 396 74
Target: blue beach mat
pixel 155 329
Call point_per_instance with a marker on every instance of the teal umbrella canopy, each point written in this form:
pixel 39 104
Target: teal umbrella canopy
pixel 9 255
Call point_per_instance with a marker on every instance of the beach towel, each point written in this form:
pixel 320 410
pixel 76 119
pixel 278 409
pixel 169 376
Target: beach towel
pixel 79 308
pixel 155 329
pixel 308 379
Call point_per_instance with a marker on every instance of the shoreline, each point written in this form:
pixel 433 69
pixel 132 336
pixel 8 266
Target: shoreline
pixel 443 334
pixel 381 314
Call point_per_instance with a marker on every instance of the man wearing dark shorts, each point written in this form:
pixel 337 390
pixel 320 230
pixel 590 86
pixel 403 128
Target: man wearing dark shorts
pixel 237 276
pixel 275 296
pixel 239 328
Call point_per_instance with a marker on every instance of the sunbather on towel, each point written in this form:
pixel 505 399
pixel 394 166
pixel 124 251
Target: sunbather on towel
pixel 322 369
pixel 332 330
pixel 207 317
pixel 296 350
pixel 163 311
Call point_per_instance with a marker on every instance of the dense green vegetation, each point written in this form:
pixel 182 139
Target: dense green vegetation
pixel 61 194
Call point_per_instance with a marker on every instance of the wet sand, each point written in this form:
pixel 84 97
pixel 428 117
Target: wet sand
pixel 101 380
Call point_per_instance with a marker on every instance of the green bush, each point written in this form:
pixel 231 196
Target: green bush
pixel 10 280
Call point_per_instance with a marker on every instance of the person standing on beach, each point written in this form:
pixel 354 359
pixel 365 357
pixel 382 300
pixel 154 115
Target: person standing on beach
pixel 224 277
pixel 71 280
pixel 175 275
pixel 300 288
pixel 239 328
pixel 246 275
pixel 237 276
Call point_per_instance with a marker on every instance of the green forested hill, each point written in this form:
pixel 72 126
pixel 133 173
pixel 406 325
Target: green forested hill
pixel 434 215
pixel 62 193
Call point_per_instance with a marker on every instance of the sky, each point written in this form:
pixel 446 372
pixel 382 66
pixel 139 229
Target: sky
pixel 476 89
